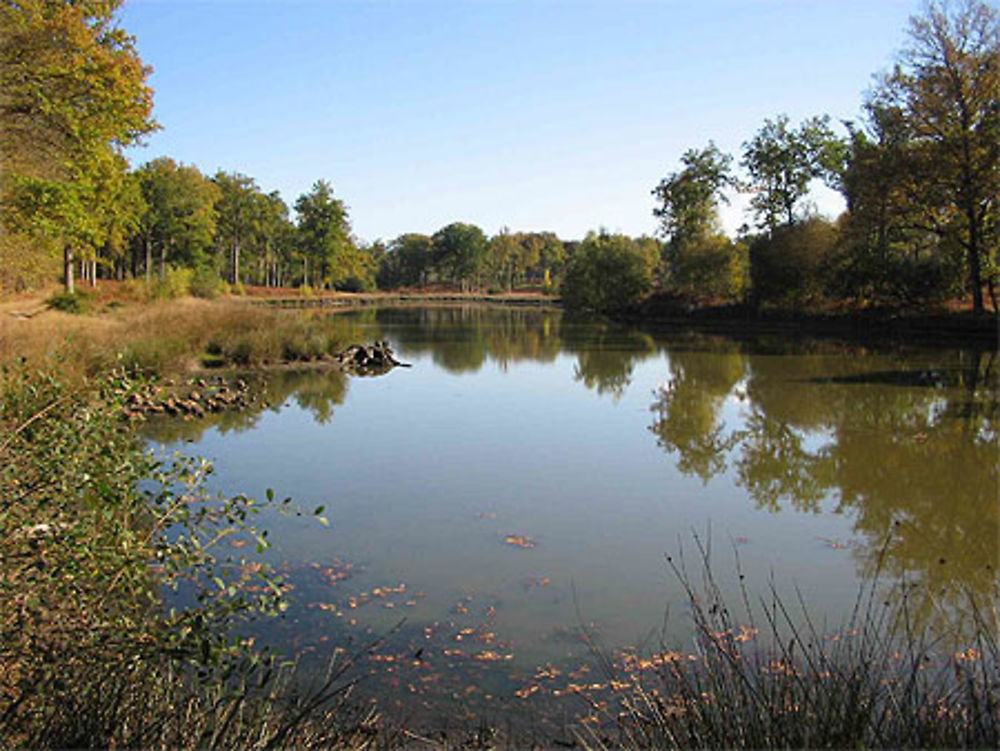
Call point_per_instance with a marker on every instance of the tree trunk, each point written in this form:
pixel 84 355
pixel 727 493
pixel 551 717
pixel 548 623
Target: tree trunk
pixel 975 269
pixel 236 263
pixel 149 260
pixel 68 268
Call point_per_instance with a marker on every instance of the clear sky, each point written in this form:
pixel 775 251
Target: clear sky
pixel 554 115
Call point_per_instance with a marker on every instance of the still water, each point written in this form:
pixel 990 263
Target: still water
pixel 524 480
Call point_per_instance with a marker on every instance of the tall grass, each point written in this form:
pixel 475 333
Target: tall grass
pixel 765 675
pixel 170 336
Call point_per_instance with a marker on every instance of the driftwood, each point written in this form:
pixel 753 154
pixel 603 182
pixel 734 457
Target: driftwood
pixel 369 359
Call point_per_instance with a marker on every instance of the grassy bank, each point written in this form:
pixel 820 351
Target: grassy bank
pixel 167 337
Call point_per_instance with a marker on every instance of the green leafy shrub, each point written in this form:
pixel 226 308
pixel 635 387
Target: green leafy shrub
pixel 94 530
pixel 205 283
pixel 71 302
pixel 175 283
pixel 607 273
pixel 793 265
pixel 713 267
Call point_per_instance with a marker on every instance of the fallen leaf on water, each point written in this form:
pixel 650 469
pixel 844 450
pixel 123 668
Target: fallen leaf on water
pixel 531 582
pixel 520 541
pixel 239 543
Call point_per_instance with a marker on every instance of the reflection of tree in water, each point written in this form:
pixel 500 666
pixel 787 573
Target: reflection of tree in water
pixel 316 391
pixel 687 409
pixel 463 338
pixel 911 454
pixel 606 354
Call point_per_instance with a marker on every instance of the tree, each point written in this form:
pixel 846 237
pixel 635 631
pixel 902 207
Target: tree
pixel 179 221
pixel 782 162
pixel 237 217
pixel 505 258
pixel 700 259
pixel 73 95
pixel 324 235
pixel 689 199
pixel 459 251
pixel 608 272
pixel 407 262
pixel 947 84
pixel 791 265
pixel 275 236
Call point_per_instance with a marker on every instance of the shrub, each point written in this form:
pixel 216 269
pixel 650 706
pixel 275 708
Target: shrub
pixel 175 283
pixel 712 268
pixel 71 302
pixel 793 265
pixel 205 283
pixel 607 273
pixel 94 530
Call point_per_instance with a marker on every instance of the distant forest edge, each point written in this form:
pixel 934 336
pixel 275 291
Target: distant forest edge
pixel 919 172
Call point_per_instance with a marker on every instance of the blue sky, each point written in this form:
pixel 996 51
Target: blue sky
pixel 554 115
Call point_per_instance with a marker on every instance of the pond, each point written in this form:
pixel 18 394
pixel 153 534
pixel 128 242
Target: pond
pixel 508 502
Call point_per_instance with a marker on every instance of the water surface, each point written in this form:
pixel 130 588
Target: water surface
pixel 598 450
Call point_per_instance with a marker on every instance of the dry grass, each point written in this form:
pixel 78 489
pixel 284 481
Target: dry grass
pixel 164 337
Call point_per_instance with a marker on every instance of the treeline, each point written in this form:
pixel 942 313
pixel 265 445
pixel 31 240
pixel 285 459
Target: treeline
pixel 919 173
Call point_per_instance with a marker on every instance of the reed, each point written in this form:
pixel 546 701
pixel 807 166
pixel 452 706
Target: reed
pixel 764 675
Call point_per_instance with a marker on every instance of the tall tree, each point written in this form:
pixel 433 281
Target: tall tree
pixel 947 84
pixel 699 258
pixel 783 161
pixel 324 235
pixel 689 199
pixel 73 95
pixel 179 222
pixel 237 217
pixel 459 251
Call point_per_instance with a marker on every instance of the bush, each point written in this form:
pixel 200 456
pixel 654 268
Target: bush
pixel 607 273
pixel 175 283
pixel 793 266
pixel 94 531
pixel 205 283
pixel 354 284
pixel 71 302
pixel 713 268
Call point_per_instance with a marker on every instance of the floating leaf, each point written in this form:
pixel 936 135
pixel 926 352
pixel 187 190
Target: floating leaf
pixel 520 541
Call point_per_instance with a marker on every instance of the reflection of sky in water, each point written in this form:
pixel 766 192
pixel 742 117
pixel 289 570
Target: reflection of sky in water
pixel 424 471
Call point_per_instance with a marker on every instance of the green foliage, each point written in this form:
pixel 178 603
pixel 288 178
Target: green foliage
pixel 92 530
pixel 324 236
pixel 792 266
pixel 713 268
pixel 783 161
pixel 929 166
pixel 459 251
pixel 71 302
pixel 407 262
pixel 608 273
pixel 689 199
pixel 75 95
pixel 205 283
pixel 175 283
pixel 178 225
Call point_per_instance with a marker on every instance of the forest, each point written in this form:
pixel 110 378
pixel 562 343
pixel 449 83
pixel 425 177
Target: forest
pixel 919 172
